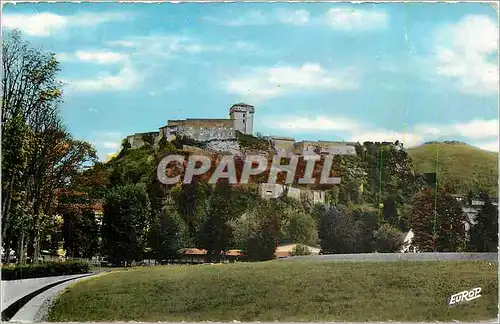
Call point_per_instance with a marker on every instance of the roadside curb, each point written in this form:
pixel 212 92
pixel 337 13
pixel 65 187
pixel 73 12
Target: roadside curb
pixel 24 309
pixel 38 307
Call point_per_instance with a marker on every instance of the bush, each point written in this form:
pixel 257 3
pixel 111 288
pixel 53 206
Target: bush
pixel 388 239
pixel 251 142
pixel 47 269
pixel 300 249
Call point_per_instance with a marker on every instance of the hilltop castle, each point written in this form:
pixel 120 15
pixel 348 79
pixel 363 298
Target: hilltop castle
pixel 240 120
pixel 221 135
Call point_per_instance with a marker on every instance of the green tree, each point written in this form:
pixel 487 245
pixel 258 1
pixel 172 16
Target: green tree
pixel 437 221
pixel 216 232
pixel 258 231
pixel 80 231
pixel 190 201
pixel 484 233
pixel 301 228
pixel 38 155
pixel 390 210
pixel 365 220
pixel 125 224
pixel 167 234
pixel 337 232
pixel 388 239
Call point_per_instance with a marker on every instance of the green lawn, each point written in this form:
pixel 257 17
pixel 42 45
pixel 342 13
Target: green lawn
pixel 284 291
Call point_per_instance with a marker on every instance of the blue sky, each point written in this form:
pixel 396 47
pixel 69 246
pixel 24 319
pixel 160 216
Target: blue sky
pixel 413 72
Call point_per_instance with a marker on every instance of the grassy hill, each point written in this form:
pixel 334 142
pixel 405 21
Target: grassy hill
pixel 284 291
pixel 460 165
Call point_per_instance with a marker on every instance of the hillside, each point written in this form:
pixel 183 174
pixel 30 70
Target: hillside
pixel 460 165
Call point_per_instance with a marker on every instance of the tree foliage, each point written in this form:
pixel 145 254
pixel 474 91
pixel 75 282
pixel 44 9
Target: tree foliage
pixel 38 154
pixel 125 224
pixel 388 239
pixel 484 233
pixel 337 232
pixel 437 221
pixel 167 234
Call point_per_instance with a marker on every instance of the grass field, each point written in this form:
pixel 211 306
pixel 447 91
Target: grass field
pixel 466 166
pixel 284 291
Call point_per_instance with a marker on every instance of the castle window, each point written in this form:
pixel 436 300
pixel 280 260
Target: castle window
pixel 243 115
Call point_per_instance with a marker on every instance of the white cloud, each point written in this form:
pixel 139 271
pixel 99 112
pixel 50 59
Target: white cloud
pixel 46 23
pixel 251 18
pixel 295 17
pixel 99 57
pixel 320 123
pixel 415 135
pixel 489 146
pixel 462 54
pixel 260 18
pixel 275 81
pixel 113 134
pixel 163 46
pixel 355 19
pixel 126 79
pixel 478 128
pixel 106 142
pixel 381 135
pixel 111 145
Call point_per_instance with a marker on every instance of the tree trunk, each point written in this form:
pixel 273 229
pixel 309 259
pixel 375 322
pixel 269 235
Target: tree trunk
pixel 31 247
pixel 20 250
pixel 7 250
pixel 36 252
pixel 6 208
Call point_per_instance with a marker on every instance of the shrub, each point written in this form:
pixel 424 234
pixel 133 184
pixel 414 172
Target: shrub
pixel 388 239
pixel 300 249
pixel 46 269
pixel 251 142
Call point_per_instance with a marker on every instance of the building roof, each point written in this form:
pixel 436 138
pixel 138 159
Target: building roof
pixel 241 107
pixel 201 122
pixel 282 138
pixel 241 104
pixel 193 251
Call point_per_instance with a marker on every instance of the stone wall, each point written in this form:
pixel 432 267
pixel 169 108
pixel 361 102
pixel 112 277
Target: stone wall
pixel 268 191
pixel 283 145
pixel 325 147
pixel 228 146
pixel 140 139
pixel 200 129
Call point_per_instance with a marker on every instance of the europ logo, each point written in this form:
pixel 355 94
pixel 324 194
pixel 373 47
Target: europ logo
pixel 465 296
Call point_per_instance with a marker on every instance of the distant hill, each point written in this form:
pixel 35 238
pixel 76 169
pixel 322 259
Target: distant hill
pixel 460 165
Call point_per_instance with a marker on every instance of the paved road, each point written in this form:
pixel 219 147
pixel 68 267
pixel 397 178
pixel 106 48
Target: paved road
pixel 385 257
pixel 13 290
pixel 37 308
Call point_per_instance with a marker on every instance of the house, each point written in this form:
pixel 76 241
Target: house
pixel 470 220
pixel 408 247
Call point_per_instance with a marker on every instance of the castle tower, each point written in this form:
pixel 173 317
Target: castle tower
pixel 242 114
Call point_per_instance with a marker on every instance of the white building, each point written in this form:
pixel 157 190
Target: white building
pixel 408 247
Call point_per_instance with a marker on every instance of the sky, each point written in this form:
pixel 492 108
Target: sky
pixel 412 72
